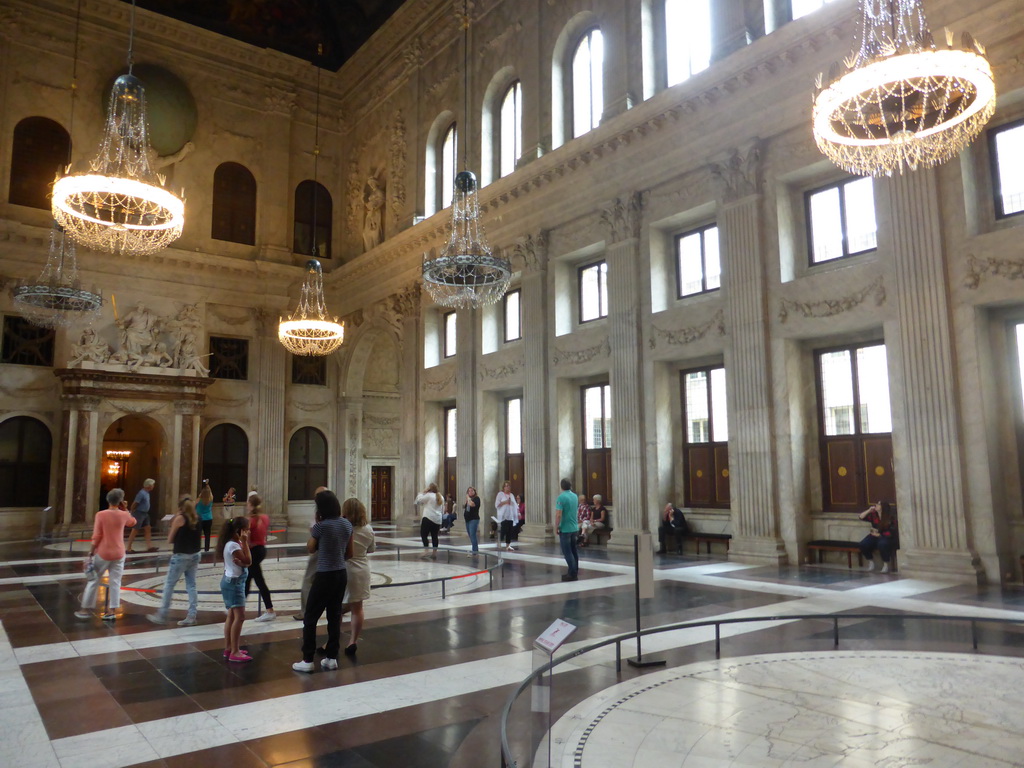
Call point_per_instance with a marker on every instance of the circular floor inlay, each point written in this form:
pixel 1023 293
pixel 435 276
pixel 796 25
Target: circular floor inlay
pixel 855 710
pixel 287 574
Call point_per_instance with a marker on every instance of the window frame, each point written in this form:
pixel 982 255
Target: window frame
pixel 516 89
pixel 809 223
pixel 29 480
pixel 519 315
pixel 239 226
pixel 43 341
pixel 605 450
pixel 324 223
pixel 719 448
pixel 213 357
pixel 587 36
pixel 227 470
pixel 446 318
pixel 602 310
pixel 677 239
pixel 308 468
pixel 996 186
pixel 31 179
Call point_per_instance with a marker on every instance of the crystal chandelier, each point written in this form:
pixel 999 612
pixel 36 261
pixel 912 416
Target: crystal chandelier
pixel 900 101
pixel 120 205
pixel 56 299
pixel 466 274
pixel 310 330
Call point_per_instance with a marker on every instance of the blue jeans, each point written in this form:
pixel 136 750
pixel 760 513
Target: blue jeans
pixel 569 552
pixel 179 565
pixel 471 528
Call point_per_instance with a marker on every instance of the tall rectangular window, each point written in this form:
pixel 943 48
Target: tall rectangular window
pixel 698 266
pixel 687 38
pixel 449 323
pixel 511 129
pixel 804 7
pixel 705 437
pixel 514 460
pixel 451 443
pixel 229 358
pixel 587 83
pixel 26 344
pixel 855 423
pixel 1006 146
pixel 841 218
pixel 597 441
pixel 593 293
pixel 512 316
pixel 449 161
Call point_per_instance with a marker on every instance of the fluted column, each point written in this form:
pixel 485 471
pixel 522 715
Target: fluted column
pixel 410 472
pixel 728 27
pixel 186 448
pixel 275 239
pixel 467 364
pixel 539 492
pixel 752 479
pixel 77 463
pixel 350 447
pixel 271 446
pixel 622 221
pixel 929 460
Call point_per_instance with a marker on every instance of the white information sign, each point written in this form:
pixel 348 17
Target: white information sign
pixel 554 636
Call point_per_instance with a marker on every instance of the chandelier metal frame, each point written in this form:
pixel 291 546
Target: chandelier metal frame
pixel 310 330
pixel 56 299
pixel 466 274
pixel 900 102
pixel 120 205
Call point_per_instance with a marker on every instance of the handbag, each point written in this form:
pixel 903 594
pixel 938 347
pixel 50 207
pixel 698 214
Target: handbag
pixel 90 570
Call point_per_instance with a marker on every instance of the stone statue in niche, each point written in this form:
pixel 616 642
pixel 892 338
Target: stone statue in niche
pixel 89 349
pixel 374 220
pixel 184 330
pixel 139 329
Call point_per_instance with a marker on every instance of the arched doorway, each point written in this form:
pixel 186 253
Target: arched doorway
pixel 131 452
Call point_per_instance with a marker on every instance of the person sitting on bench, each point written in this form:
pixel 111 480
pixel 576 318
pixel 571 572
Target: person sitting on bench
pixel 599 519
pixel 880 536
pixel 672 521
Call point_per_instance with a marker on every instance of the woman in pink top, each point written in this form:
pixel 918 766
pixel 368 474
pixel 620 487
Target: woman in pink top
pixel 259 526
pixel 107 554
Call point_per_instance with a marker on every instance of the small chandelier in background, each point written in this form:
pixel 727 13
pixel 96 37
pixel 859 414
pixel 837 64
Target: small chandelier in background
pixel 120 205
pixel 466 274
pixel 56 299
pixel 310 330
pixel 900 101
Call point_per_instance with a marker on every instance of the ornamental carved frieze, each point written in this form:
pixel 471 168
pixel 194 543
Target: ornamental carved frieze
pixel 580 356
pixel 831 307
pixel 39 390
pixel 623 217
pixel 1008 269
pixel 311 407
pixel 279 101
pixel 738 174
pixel 381 422
pixel 230 402
pixel 439 384
pixel 135 408
pixel 503 371
pixel 397 152
pixel 407 301
pixel 687 335
pixel 529 253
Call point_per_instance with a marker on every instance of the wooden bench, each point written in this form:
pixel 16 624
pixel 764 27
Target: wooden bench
pixel 594 539
pixel 699 538
pixel 830 545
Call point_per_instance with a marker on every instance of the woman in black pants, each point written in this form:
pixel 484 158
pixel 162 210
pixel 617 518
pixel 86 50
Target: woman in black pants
pixel 259 526
pixel 431 505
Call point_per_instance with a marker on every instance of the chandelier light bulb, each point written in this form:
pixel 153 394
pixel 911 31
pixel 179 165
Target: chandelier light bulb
pixel 901 102
pixel 310 330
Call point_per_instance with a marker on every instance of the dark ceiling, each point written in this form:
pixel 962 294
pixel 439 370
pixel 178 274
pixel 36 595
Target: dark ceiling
pixel 295 27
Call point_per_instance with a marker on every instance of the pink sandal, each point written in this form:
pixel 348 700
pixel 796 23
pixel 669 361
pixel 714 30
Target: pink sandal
pixel 241 656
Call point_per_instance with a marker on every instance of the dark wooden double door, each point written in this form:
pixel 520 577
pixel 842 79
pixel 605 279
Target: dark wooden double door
pixel 381 485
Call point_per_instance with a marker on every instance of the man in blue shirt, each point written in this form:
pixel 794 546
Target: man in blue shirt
pixel 140 511
pixel 566 506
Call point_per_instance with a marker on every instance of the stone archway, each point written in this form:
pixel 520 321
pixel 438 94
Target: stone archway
pixel 142 438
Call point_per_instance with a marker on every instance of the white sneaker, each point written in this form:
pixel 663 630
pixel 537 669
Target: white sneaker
pixel 156 618
pixel 885 568
pixel 328 664
pixel 303 666
pixel 83 614
pixel 266 616
pixel 188 621
pixel 871 565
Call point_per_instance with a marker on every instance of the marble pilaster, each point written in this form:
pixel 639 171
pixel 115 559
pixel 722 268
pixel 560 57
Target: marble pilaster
pixel 928 449
pixel 350 447
pixel 467 358
pixel 729 31
pixel 410 469
pixel 270 467
pixel 752 482
pixel 275 199
pixel 186 448
pixel 622 220
pixel 79 464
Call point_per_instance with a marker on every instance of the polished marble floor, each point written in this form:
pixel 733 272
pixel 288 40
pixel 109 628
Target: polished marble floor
pixel 433 673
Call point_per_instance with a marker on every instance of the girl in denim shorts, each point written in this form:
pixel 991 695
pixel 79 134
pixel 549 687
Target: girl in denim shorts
pixel 233 549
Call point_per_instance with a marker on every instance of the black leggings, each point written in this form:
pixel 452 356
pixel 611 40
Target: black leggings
pixel 429 527
pixel 258 552
pixel 207 527
pixel 507 527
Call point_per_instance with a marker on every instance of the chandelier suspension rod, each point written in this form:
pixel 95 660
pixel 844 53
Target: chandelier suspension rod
pixel 71 116
pixel 314 250
pixel 465 82
pixel 131 40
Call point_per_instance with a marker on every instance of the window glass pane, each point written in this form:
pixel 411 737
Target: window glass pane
pixel 719 407
pixel 837 392
pixel 297 449
pixel 512 316
pixel 1009 146
pixel 592 418
pixel 593 295
pixel 860 215
pixel 514 426
pixel 1020 358
pixel 511 130
pixel 9 439
pixel 596 78
pixel 607 400
pixel 873 389
pixel 695 386
pixel 690 267
pixel 803 7
pixel 236 445
pixel 449 153
pixel 317 447
pixel 451 433
pixel 826 225
pixel 587 88
pixel 687 38
pixel 449 334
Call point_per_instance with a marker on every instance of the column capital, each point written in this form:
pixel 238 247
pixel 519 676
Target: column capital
pixel 737 173
pixel 81 402
pixel 531 252
pixel 622 217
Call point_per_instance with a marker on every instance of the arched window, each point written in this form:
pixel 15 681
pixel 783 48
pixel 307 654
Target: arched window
pixel 510 130
pixel 587 83
pixel 687 38
pixel 226 459
pixel 39 151
pixel 310 196
pixel 234 204
pixel 25 446
pixel 449 162
pixel 307 463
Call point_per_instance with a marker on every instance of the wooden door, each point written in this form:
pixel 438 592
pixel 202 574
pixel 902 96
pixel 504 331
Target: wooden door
pixel 380 493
